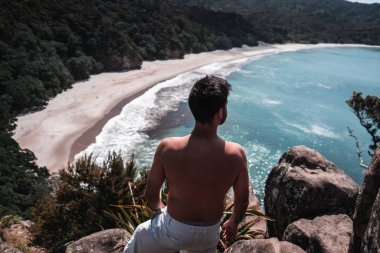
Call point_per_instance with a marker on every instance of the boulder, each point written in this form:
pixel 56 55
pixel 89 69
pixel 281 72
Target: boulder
pixel 324 234
pixel 303 184
pixel 272 245
pixel 371 239
pixel 259 224
pixel 107 241
pixel 365 200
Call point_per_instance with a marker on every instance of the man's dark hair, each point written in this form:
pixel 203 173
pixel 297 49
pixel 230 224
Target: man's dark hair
pixel 207 96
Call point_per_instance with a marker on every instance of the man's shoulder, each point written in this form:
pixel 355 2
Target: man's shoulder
pixel 234 148
pixel 233 145
pixel 172 142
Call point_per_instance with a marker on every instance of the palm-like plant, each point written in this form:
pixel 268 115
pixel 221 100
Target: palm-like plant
pixel 130 216
pixel 246 230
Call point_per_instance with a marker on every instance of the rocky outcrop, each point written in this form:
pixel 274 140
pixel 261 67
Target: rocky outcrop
pixel 107 241
pixel 18 234
pixel 371 240
pixel 17 238
pixel 272 245
pixel 259 224
pixel 365 200
pixel 305 185
pixel 324 234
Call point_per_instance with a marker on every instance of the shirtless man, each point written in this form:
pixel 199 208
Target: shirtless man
pixel 199 168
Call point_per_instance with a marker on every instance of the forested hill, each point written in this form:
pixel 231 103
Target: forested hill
pixel 310 21
pixel 46 45
pixel 52 43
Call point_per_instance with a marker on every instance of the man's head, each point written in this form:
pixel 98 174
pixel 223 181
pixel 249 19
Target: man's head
pixel 207 97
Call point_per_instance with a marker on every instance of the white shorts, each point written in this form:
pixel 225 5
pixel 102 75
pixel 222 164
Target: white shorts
pixel 163 234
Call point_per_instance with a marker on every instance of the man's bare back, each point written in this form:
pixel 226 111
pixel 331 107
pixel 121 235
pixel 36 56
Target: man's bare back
pixel 199 172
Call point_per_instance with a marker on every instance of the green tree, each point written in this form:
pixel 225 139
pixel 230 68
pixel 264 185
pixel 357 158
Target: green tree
pixel 367 110
pixel 26 92
pixel 7 120
pixel 80 67
pixel 22 182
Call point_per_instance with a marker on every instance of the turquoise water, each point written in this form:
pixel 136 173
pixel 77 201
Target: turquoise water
pixel 279 101
pixel 287 99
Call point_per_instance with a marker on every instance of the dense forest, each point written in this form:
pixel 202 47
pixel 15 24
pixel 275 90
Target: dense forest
pixel 312 21
pixel 47 45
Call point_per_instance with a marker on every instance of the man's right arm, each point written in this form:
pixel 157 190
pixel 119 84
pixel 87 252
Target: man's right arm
pixel 241 194
pixel 156 178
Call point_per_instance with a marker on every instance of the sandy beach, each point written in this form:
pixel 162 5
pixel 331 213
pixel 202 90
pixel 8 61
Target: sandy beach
pixel 72 120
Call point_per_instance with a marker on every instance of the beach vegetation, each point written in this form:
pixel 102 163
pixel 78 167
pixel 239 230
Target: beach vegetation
pixel 86 191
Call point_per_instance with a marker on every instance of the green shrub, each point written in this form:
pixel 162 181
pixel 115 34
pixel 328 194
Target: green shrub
pixel 85 191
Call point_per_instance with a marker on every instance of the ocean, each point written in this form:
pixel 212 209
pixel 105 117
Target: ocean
pixel 278 101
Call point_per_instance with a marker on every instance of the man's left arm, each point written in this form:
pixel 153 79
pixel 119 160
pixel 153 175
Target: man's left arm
pixel 156 178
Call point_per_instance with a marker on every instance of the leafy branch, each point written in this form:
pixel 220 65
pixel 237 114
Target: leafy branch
pixel 367 110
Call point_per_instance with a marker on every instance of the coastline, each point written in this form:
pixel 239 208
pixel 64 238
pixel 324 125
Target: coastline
pixel 73 119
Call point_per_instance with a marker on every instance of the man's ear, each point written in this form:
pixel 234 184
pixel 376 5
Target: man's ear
pixel 219 114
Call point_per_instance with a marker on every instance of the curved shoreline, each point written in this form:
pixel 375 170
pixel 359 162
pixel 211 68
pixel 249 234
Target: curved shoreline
pixel 73 119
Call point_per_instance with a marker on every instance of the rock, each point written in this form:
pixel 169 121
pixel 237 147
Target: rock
pixel 365 200
pixel 305 185
pixel 18 239
pixel 8 249
pixel 173 54
pixel 259 224
pixel 18 234
pixel 272 245
pixel 371 240
pixel 324 234
pixel 107 241
pixel 54 180
pixel 130 62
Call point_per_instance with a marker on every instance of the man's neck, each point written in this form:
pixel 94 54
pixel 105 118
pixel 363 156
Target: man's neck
pixel 206 131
